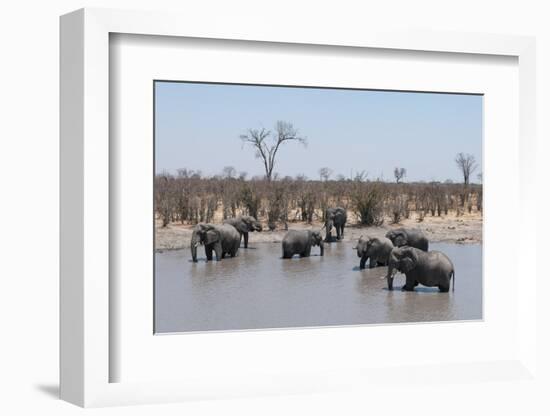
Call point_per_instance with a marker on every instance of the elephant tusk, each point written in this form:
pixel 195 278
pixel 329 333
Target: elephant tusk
pixel 393 273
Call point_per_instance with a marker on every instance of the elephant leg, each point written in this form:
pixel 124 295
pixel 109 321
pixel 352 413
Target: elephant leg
pixel 223 255
pixel 372 263
pixel 208 251
pixel 444 287
pixel 409 285
pixel 362 262
pixel 219 251
pixel 338 235
pixel 245 240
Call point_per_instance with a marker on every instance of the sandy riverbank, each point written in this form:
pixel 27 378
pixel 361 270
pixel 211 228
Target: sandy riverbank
pixel 466 229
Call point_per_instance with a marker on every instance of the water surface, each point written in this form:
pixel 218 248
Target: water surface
pixel 258 289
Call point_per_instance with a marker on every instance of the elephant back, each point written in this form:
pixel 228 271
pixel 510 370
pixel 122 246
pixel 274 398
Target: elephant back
pixel 297 236
pixel 228 231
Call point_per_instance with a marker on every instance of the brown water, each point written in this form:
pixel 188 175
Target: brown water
pixel 258 289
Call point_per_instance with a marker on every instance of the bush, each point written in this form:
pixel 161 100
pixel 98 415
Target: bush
pixel 251 200
pixel 368 203
pixel 398 208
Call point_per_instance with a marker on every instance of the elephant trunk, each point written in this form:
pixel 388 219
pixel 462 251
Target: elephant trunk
pixel 328 230
pixel 194 243
pixel 391 270
pixel 389 277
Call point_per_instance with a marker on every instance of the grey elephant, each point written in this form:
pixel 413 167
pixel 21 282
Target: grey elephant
pixel 376 249
pixel 300 242
pixel 222 239
pixel 244 224
pixel 335 217
pixel 432 268
pixel 412 237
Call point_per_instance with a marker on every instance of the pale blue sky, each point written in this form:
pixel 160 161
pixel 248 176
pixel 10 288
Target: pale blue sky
pixel 198 127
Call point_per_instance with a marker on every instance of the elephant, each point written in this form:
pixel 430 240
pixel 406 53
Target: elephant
pixel 300 242
pixel 244 224
pixel 411 237
pixel 222 239
pixel 377 250
pixel 431 268
pixel 335 217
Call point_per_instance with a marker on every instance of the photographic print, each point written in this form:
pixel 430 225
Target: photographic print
pixel 288 206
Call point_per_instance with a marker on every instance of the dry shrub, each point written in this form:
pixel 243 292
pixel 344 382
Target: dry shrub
pixel 368 203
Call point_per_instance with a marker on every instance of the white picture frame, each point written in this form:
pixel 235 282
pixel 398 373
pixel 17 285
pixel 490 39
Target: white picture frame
pixel 86 290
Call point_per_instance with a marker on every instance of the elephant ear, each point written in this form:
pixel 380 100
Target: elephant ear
pixel 408 260
pixel 252 224
pixel 400 239
pixel 242 226
pixel 316 238
pixel 195 239
pixel 212 236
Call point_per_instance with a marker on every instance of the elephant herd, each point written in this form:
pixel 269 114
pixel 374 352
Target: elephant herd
pixel 223 239
pixel 406 250
pixel 402 249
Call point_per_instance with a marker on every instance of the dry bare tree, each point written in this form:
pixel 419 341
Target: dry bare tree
pixel 229 172
pixel 325 173
pixel 267 144
pixel 467 165
pixel 399 174
pixel 361 176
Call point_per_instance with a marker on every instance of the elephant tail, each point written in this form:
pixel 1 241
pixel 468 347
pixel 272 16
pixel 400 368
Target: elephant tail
pixel 453 277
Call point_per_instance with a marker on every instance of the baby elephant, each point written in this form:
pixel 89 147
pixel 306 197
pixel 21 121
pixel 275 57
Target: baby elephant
pixel 376 249
pixel 300 242
pixel 412 237
pixel 431 268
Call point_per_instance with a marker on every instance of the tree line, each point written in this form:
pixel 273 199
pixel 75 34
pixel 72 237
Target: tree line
pixel 189 198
